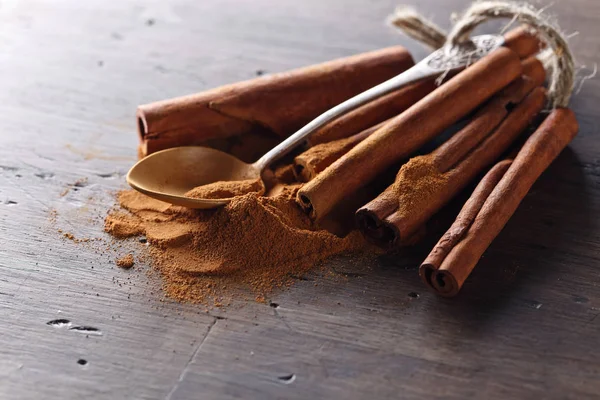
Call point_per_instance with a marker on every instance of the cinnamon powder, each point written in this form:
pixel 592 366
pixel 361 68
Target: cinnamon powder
pixel 252 245
pixel 320 156
pixel 419 178
pixel 125 261
pixel 226 189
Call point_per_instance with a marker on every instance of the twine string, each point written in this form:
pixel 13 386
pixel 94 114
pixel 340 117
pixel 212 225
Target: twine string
pixel 557 58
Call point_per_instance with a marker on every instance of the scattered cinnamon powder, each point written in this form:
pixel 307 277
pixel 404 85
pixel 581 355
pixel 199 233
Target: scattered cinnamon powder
pixel 81 182
pixel 52 215
pixel 226 189
pixel 70 236
pixel 256 243
pixel 125 261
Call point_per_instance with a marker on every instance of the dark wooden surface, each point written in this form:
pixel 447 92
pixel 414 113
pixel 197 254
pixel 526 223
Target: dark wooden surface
pixel 71 74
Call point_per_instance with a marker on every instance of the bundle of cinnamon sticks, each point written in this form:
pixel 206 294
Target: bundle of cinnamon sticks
pixel 497 98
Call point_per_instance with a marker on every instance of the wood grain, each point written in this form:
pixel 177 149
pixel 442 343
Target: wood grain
pixel 71 74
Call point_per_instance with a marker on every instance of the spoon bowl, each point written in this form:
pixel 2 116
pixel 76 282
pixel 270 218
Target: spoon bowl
pixel 168 175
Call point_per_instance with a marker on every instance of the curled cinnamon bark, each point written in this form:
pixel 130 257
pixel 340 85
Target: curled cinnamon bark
pixel 280 103
pixel 454 257
pixel 426 183
pixel 405 133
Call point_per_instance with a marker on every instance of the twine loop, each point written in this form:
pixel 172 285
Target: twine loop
pixel 557 57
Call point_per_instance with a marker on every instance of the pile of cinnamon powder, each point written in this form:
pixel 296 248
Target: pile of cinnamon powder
pixel 252 245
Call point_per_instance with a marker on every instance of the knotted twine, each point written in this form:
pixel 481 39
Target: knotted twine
pixel 558 58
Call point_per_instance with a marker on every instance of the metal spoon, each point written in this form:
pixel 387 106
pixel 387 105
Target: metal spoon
pixel 167 175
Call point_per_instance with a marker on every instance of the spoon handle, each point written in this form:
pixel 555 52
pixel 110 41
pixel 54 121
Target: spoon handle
pixel 442 60
pixel 416 73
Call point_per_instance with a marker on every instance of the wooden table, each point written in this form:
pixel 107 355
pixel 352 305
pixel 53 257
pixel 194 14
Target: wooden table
pixel 71 75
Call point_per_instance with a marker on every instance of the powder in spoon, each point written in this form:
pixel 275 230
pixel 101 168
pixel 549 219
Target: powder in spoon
pixel 226 189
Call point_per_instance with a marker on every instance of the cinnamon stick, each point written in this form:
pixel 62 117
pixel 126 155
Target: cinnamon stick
pixel 462 223
pixel 426 183
pixel 523 41
pixel 280 103
pixel 457 253
pixel 405 133
pixel 314 160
